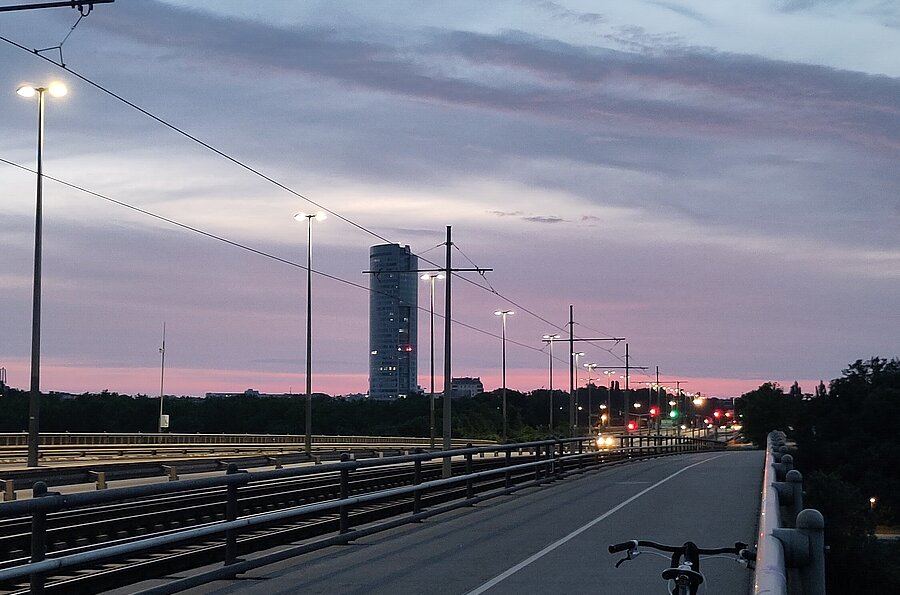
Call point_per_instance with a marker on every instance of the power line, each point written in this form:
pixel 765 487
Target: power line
pixel 275 182
pixel 242 246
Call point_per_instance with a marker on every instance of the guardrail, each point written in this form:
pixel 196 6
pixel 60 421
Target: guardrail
pixel 790 537
pixel 551 460
pixel 106 439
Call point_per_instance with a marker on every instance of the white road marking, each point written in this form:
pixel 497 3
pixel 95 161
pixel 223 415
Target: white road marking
pixel 508 573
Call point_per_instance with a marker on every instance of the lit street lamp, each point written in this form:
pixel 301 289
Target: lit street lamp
pixel 319 216
pixel 431 277
pixel 503 314
pixel 590 368
pixel 56 89
pixel 549 339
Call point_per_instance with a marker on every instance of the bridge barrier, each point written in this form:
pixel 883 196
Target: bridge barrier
pixel 790 537
pixel 559 458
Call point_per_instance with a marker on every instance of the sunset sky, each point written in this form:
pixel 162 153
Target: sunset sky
pixel 717 182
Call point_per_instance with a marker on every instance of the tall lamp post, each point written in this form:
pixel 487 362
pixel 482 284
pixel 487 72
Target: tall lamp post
pixel 431 277
pixel 577 355
pixel 56 89
pixel 609 381
pixel 549 339
pixel 319 216
pixel 590 368
pixel 503 314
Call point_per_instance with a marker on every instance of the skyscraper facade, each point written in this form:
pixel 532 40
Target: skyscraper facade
pixel 393 332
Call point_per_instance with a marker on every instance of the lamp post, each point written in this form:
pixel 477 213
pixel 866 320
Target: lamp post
pixel 431 277
pixel 577 355
pixel 319 216
pixel 56 89
pixel 590 368
pixel 549 339
pixel 503 314
pixel 609 381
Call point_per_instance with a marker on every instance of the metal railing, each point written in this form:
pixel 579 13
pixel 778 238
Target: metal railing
pixel 153 438
pixel 790 537
pixel 549 460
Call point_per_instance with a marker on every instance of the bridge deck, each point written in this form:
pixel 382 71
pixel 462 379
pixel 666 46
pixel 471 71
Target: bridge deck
pixel 547 540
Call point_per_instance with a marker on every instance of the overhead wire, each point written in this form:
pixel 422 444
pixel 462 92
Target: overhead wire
pixel 278 184
pixel 245 247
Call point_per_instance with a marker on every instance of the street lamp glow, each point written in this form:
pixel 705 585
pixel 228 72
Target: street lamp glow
pixel 26 90
pixel 57 89
pixel 318 216
pixel 430 276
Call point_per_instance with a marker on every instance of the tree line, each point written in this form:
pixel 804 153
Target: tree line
pixel 848 449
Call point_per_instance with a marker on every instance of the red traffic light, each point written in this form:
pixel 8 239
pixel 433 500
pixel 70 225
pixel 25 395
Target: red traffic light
pixel 654 411
pixel 632 426
pixel 717 414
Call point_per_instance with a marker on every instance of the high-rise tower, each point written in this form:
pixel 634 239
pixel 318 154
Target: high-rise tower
pixel 393 332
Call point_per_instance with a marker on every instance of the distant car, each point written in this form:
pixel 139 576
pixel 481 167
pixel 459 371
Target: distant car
pixel 605 441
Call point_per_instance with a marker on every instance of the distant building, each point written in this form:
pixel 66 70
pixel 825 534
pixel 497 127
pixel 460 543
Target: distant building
pixel 393 332
pixel 466 387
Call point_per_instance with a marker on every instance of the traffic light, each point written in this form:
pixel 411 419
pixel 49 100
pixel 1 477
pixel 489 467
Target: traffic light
pixel 654 411
pixel 632 426
pixel 673 413
pixel 717 413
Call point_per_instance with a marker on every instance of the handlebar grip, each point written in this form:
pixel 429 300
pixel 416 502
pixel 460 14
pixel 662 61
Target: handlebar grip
pixel 621 547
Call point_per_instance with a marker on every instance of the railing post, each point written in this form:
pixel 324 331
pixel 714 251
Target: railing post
pixel 417 479
pixel 344 513
pixel 507 478
pixel 470 492
pixel 231 514
pixel 39 537
pixel 538 450
pixel 559 461
pixel 804 549
pixel 9 490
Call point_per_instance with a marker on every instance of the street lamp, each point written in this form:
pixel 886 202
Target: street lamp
pixel 431 277
pixel 56 89
pixel 319 216
pixel 503 314
pixel 590 368
pixel 578 355
pixel 549 339
pixel 609 381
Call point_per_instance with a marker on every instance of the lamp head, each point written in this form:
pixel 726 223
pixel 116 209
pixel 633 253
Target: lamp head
pixel 26 90
pixel 318 216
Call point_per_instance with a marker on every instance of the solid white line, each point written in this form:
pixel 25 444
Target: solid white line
pixel 501 577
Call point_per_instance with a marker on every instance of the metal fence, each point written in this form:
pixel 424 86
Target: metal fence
pixel 549 460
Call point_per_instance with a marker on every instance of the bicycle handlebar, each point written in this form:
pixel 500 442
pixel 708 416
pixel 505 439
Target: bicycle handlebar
pixel 621 547
pixel 634 543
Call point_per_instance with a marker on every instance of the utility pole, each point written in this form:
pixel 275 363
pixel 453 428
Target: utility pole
pixel 446 470
pixel 572 341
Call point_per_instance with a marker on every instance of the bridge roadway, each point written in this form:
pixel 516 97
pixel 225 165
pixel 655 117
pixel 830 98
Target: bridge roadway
pixel 547 540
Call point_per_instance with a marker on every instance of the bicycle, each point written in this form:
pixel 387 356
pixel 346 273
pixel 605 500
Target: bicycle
pixel 683 574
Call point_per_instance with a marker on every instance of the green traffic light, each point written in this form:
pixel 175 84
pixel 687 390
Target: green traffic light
pixel 673 413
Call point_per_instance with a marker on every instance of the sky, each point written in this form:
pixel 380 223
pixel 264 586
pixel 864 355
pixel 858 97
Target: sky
pixel 714 182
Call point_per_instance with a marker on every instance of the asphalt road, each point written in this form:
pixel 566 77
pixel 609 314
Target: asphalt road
pixel 550 539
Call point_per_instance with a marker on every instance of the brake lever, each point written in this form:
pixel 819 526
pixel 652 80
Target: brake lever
pixel 629 555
